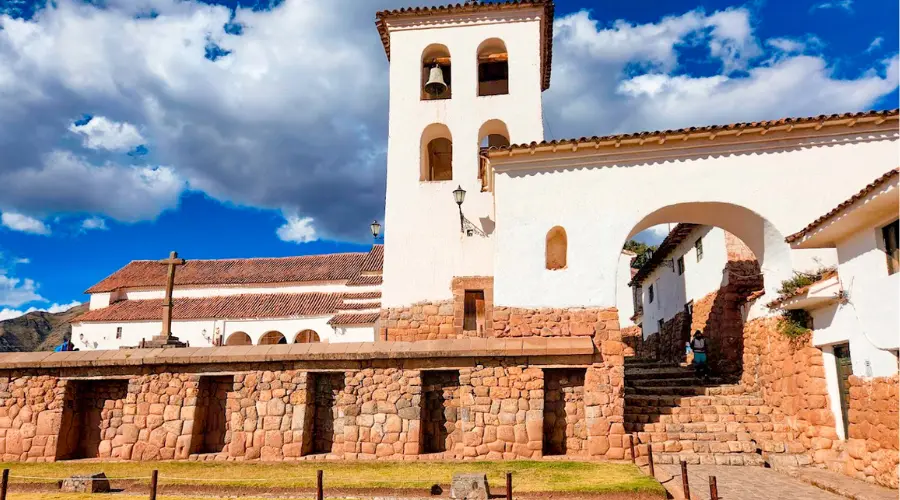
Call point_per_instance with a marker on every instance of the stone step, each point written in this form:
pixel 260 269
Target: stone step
pixel 673 381
pixel 687 390
pixel 689 446
pixel 636 373
pixel 693 418
pixel 691 430
pixel 668 400
pixel 665 458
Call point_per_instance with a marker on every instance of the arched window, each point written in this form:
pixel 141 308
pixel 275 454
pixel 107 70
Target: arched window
pixel 437 153
pixel 435 72
pixel 306 337
pixel 557 246
pixel 238 338
pixel 493 68
pixel 273 337
pixel 492 134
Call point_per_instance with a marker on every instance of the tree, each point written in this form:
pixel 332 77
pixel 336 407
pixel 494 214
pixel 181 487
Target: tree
pixel 643 251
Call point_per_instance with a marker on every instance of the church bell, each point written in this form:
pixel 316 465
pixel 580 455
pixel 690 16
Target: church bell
pixel 435 85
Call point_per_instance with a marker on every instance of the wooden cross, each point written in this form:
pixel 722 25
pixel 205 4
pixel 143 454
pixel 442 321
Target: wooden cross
pixel 172 261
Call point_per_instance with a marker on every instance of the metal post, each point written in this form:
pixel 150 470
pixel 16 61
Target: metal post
pixel 631 445
pixel 4 483
pixel 319 494
pixel 154 479
pixel 650 460
pixel 684 481
pixel 713 489
pixel 509 486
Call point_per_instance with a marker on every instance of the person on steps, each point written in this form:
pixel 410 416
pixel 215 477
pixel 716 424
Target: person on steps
pixel 698 345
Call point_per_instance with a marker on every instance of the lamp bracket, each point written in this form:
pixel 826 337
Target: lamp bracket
pixel 471 229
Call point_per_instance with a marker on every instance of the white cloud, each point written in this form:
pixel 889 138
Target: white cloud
pixel 876 44
pixel 24 223
pixel 846 5
pixel 295 116
pixel 654 235
pixel 627 78
pixel 14 292
pixel 22 260
pixel 8 313
pixel 92 223
pixel 102 133
pixel 297 229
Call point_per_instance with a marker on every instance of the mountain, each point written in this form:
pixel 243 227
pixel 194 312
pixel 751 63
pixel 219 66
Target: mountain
pixel 37 331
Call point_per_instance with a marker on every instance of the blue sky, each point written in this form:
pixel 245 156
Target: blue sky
pixel 129 128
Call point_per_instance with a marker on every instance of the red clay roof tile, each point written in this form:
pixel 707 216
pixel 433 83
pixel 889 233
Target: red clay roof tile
pixel 354 319
pixel 145 273
pixel 262 305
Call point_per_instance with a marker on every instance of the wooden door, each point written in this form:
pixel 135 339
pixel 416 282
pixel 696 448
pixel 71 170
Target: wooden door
pixel 844 370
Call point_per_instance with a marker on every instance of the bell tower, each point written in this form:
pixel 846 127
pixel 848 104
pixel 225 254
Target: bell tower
pixel 462 77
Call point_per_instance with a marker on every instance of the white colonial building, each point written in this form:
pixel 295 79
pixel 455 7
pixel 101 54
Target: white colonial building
pixel 316 298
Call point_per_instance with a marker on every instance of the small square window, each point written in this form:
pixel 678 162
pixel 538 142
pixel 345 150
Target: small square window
pixel 118 332
pixel 679 265
pixel 891 236
pixel 698 246
pixel 650 293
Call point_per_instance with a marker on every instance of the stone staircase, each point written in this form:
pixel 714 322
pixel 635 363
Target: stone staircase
pixel 683 419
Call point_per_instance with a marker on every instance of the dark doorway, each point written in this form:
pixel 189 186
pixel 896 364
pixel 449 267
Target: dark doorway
pixel 440 403
pixel 564 421
pixel 212 423
pixel 844 370
pixel 686 332
pixel 89 408
pixel 473 309
pixel 322 411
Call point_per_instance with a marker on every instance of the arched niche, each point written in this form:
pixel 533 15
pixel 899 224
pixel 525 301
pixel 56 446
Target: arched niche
pixel 306 337
pixel 238 338
pixel 272 338
pixel 436 55
pixel 557 248
pixel 436 155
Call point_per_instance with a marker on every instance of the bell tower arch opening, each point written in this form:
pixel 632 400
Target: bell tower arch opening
pixel 436 154
pixel 436 73
pixel 493 68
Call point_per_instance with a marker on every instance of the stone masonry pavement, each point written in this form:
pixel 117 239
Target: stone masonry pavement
pixel 744 483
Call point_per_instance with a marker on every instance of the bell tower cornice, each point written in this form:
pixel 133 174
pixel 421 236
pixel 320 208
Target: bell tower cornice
pixel 390 20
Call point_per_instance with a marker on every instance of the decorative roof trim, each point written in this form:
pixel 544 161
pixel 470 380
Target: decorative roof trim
pixel 384 16
pixel 707 132
pixel 869 188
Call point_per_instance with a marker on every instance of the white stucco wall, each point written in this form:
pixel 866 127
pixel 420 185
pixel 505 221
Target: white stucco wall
pixel 671 291
pixel 625 303
pixel 104 334
pixel 424 248
pixel 749 190
pixel 869 320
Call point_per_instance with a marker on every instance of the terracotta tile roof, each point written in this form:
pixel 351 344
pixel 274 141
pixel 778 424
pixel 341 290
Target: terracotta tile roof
pixel 781 299
pixel 263 305
pixel 755 295
pixel 872 186
pixel 365 281
pixel 374 260
pixel 354 319
pixel 675 237
pixel 383 17
pixel 350 306
pixel 706 132
pixel 361 295
pixel 328 267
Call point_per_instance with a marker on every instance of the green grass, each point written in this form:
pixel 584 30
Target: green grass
pixel 528 476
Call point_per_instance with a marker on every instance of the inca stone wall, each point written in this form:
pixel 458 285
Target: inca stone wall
pixel 790 376
pixel 426 321
pixel 871 450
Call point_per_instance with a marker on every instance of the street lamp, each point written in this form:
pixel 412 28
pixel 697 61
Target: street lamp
pixel 376 229
pixel 459 194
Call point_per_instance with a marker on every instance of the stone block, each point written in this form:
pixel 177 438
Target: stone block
pixel 469 486
pixel 85 483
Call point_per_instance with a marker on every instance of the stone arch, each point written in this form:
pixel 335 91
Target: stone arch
pixel 272 337
pixel 306 337
pixel 436 154
pixel 493 68
pixel 238 338
pixel 438 55
pixel 557 248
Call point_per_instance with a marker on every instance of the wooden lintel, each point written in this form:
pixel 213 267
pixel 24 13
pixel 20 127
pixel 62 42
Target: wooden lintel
pixel 445 60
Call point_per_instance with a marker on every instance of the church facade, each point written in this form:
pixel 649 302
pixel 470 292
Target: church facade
pixel 496 334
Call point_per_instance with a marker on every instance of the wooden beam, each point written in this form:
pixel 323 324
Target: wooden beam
pixel 445 60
